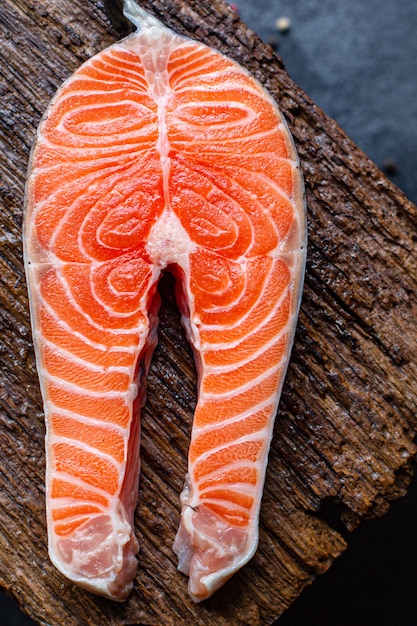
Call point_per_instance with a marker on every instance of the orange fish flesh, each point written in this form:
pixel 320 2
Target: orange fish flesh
pixel 160 152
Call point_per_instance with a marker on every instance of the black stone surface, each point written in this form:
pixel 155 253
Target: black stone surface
pixel 357 59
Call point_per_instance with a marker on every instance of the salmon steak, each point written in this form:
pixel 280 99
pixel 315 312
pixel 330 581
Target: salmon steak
pixel 160 153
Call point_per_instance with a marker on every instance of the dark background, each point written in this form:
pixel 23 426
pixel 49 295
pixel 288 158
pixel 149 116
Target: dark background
pixel 357 60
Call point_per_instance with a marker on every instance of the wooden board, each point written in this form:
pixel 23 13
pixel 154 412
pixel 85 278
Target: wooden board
pixel 343 443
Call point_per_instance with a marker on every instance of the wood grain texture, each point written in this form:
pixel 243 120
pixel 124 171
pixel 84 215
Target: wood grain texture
pixel 344 434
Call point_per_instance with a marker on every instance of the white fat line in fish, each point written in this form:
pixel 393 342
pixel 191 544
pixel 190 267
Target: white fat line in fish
pixel 261 176
pixel 235 169
pixel 253 197
pixel 115 193
pixel 81 234
pixel 197 61
pixel 110 74
pixel 270 399
pixel 69 503
pixel 81 105
pixel 116 82
pixel 244 317
pixel 89 182
pixel 233 159
pixel 86 516
pixel 112 331
pixel 129 395
pixel 260 435
pixel 215 187
pixel 247 489
pixel 88 421
pixel 130 144
pixel 286 331
pixel 127 79
pixel 241 106
pixel 107 158
pixel 84 75
pixel 121 294
pixel 229 504
pixel 234 164
pixel 240 177
pixel 216 149
pixel 93 367
pixel 114 168
pixel 81 445
pixel 206 201
pixel 140 307
pixel 93 166
pixel 181 144
pixel 116 138
pixel 219 126
pixel 232 84
pixel 189 82
pixel 83 175
pixel 78 482
pixel 242 463
pixel 192 55
pixel 90 153
pixel 92 344
pixel 252 358
pixel 269 402
pixel 286 334
pixel 237 391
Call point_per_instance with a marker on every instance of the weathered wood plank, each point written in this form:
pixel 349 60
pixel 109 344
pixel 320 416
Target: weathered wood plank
pixel 344 434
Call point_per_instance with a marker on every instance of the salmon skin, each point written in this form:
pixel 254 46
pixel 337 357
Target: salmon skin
pixel 160 152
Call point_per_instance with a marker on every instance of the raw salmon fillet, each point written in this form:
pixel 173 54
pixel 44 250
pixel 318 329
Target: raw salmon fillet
pixel 160 152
